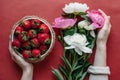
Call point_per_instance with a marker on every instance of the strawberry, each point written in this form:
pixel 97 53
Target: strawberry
pixel 44 38
pixel 35 23
pixel 27 24
pixel 32 33
pixel 36 52
pixel 26 54
pixel 18 30
pixel 43 28
pixel 43 48
pixel 23 37
pixel 16 44
pixel 26 45
pixel 34 42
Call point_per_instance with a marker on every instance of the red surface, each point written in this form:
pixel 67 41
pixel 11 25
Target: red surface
pixel 13 10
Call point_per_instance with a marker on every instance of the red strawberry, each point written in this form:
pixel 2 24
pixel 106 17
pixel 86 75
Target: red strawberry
pixel 35 23
pixel 43 38
pixel 43 28
pixel 43 48
pixel 34 42
pixel 18 30
pixel 16 43
pixel 32 33
pixel 26 54
pixel 27 24
pixel 36 52
pixel 26 45
pixel 23 37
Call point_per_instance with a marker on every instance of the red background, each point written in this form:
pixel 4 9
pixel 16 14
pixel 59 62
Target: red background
pixel 13 10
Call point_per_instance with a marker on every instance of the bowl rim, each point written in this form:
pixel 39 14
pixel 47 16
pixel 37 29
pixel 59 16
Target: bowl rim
pixel 33 60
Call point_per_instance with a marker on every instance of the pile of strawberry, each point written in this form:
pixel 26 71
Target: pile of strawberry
pixel 32 38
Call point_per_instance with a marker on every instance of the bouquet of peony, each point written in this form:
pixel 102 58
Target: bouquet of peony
pixel 79 27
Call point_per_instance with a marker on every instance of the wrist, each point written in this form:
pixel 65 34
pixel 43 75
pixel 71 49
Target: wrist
pixel 28 69
pixel 27 73
pixel 101 44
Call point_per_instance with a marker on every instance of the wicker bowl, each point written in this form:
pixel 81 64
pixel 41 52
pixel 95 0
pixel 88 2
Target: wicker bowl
pixel 42 57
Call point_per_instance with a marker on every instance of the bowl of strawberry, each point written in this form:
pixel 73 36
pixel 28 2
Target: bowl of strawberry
pixel 32 38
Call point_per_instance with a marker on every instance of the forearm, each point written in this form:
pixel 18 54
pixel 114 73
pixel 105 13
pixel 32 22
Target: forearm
pixel 27 74
pixel 100 69
pixel 100 55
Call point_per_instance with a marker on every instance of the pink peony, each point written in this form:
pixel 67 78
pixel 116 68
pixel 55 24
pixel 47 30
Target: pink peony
pixel 97 18
pixel 63 23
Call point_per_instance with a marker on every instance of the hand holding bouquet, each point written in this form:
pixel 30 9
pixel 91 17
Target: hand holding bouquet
pixel 79 31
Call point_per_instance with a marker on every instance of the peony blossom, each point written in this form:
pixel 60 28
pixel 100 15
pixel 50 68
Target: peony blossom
pixel 86 25
pixel 63 23
pixel 78 42
pixel 75 8
pixel 97 18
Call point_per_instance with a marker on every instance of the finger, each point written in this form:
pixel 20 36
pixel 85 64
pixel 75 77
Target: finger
pixel 10 48
pixel 18 59
pixel 102 13
pixel 107 18
pixel 110 27
pixel 107 22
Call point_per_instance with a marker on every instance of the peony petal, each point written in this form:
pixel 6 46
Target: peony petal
pixel 60 22
pixel 92 33
pixel 75 8
pixel 78 51
pixel 97 18
pixel 86 49
pixel 83 23
pixel 70 47
pixel 82 48
pixel 68 39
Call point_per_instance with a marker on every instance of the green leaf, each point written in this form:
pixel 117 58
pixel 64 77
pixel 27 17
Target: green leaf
pixel 66 15
pixel 78 67
pixel 57 74
pixel 67 63
pixel 83 76
pixel 82 31
pixel 82 13
pixel 86 64
pixel 86 18
pixel 63 70
pixel 70 31
pixel 79 74
pixel 70 78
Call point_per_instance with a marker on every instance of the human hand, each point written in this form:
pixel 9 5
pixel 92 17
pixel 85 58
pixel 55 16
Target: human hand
pixel 104 32
pixel 19 60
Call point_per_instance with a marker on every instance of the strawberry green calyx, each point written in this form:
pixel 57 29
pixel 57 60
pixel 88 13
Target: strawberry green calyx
pixel 34 42
pixel 43 49
pixel 27 45
pixel 23 37
pixel 47 42
pixel 35 23
pixel 32 33
pixel 43 28
pixel 26 54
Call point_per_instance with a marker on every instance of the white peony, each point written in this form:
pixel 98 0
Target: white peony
pixel 75 8
pixel 86 25
pixel 77 42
